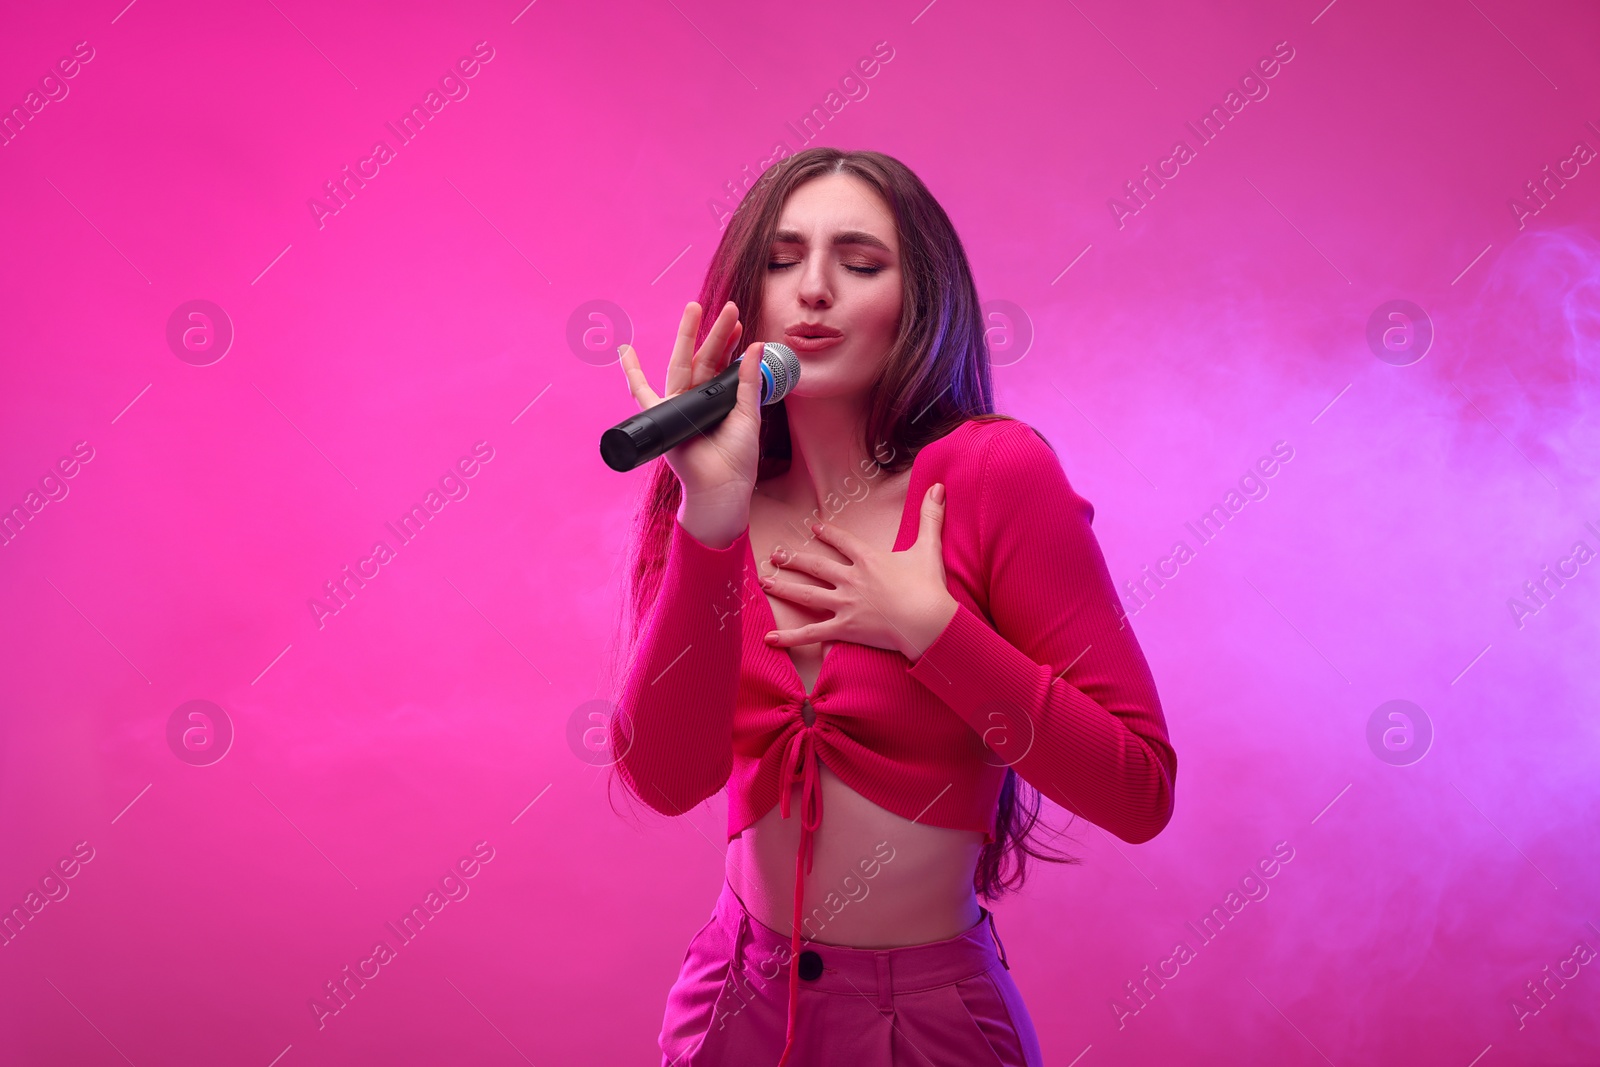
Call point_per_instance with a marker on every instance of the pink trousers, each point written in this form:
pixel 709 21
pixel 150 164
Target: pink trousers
pixel 944 1003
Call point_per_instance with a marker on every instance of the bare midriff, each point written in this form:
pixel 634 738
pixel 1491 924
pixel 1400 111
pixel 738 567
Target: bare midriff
pixel 878 880
pixel 922 892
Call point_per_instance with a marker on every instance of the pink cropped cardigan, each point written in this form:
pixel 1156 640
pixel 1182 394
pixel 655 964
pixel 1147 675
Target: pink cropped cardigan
pixel 1037 671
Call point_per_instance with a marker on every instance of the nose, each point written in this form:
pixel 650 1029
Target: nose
pixel 814 288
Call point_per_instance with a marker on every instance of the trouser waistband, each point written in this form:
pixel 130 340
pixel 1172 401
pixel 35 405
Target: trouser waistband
pixel 760 951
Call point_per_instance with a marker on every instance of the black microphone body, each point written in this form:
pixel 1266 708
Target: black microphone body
pixel 658 430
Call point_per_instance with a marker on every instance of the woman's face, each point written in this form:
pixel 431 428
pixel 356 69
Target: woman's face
pixel 834 268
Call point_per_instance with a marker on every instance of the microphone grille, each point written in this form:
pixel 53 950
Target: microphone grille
pixel 784 366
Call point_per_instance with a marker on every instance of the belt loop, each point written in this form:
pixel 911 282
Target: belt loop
pixel 996 934
pixel 739 940
pixel 736 972
pixel 885 985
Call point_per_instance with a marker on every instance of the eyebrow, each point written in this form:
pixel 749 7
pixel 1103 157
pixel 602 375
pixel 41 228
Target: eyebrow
pixel 843 237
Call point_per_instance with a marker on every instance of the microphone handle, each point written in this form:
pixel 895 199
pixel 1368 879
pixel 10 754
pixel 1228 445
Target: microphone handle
pixel 658 430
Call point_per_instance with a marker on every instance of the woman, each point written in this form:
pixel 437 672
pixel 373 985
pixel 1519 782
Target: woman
pixel 894 664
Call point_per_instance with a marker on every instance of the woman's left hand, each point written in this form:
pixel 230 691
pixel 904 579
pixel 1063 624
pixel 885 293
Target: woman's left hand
pixel 895 600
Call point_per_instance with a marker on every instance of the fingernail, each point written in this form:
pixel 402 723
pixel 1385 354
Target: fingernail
pixel 938 493
pixel 773 636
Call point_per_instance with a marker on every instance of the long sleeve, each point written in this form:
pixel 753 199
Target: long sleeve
pixel 1059 688
pixel 674 727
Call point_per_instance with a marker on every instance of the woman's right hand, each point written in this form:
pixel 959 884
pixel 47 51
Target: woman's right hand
pixel 716 469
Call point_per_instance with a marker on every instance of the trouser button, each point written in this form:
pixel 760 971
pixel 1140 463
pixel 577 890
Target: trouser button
pixel 810 966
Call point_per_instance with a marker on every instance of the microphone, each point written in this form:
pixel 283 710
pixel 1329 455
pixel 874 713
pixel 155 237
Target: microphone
pixel 658 430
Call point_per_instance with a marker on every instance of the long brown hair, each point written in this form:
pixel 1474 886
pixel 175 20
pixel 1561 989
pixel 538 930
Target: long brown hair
pixel 935 378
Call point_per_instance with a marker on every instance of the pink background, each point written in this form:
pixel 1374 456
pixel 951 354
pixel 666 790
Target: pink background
pixel 431 313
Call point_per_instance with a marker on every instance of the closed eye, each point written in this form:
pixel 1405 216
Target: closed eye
pixel 776 265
